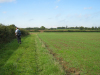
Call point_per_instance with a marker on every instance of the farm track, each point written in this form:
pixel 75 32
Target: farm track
pixel 68 71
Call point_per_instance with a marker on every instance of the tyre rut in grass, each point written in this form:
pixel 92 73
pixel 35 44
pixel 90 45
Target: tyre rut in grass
pixel 68 71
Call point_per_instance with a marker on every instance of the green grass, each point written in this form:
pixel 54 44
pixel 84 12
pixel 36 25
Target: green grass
pixel 29 58
pixel 80 50
pixel 19 59
pixel 46 63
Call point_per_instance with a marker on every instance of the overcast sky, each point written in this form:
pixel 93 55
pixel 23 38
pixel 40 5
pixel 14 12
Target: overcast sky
pixel 50 13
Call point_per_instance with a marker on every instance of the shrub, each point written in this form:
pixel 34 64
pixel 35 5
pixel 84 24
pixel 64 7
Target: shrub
pixel 7 33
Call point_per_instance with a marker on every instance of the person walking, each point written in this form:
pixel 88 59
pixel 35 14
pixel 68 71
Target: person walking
pixel 18 35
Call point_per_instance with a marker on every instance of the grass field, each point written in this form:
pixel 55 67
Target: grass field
pixel 29 58
pixel 52 54
pixel 77 52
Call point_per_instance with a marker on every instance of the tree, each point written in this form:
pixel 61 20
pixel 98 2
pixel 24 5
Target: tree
pixel 12 25
pixel 76 27
pixel 99 27
pixel 96 28
pixel 81 28
pixel 92 28
pixel 42 27
pixel 66 26
pixel 86 28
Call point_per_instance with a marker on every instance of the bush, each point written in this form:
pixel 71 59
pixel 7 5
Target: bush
pixel 35 30
pixel 24 32
pixel 7 33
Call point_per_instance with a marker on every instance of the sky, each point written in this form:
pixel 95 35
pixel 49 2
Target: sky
pixel 50 13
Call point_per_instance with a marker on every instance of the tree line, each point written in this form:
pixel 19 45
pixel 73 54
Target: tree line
pixel 80 28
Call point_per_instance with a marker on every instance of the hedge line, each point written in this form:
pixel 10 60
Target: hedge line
pixel 72 31
pixel 7 33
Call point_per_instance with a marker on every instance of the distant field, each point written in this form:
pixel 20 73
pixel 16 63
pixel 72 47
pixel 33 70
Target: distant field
pixel 76 52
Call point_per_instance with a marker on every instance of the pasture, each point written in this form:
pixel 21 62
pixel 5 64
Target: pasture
pixel 77 52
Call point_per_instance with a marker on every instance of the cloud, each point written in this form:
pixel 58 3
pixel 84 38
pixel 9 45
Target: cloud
pixel 58 0
pixel 31 19
pixel 68 15
pixel 87 8
pixel 87 15
pixel 56 7
pixel 63 20
pixel 49 18
pixel 4 12
pixel 2 1
pixel 25 13
pixel 58 15
pixel 79 16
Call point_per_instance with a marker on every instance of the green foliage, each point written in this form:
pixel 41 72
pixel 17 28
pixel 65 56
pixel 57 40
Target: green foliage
pixel 7 33
pixel 72 31
pixel 36 30
pixel 32 28
pixel 64 28
pixel 92 28
pixel 61 27
pixel 24 32
pixel 42 27
pixel 81 28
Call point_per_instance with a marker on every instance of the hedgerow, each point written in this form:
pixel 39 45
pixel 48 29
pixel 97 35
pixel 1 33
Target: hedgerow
pixel 72 31
pixel 7 33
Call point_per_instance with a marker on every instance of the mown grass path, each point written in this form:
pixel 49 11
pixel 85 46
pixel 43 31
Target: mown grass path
pixel 29 58
pixel 19 59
